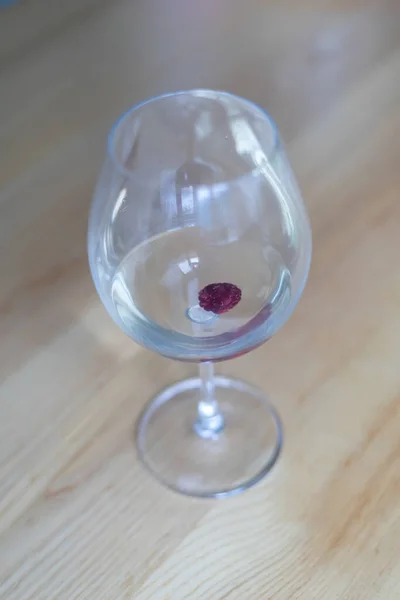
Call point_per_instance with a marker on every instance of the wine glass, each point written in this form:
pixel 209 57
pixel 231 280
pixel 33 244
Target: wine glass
pixel 199 247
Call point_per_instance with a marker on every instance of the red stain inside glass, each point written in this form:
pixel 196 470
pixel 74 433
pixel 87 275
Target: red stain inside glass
pixel 219 297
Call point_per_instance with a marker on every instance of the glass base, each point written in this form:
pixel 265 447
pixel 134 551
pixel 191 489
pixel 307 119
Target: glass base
pixel 226 463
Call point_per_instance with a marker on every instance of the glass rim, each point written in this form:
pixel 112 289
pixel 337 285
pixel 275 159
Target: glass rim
pixel 110 140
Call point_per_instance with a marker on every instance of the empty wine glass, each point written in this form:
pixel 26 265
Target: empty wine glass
pixel 199 247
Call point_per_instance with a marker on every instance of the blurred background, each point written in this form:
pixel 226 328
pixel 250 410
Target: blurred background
pixel 328 71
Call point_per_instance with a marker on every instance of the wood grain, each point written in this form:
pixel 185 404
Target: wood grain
pixel 80 518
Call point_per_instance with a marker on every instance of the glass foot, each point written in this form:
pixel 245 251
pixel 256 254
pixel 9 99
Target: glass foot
pixel 230 461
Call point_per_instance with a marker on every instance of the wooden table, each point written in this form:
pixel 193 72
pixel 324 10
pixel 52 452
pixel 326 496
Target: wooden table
pixel 80 518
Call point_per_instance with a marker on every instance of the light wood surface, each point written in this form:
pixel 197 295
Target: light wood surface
pixel 80 518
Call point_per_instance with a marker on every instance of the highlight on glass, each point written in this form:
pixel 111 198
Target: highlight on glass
pixel 199 246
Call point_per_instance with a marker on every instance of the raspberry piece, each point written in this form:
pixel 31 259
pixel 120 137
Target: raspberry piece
pixel 219 297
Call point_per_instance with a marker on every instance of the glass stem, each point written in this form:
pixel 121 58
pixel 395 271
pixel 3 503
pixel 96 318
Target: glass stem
pixel 209 420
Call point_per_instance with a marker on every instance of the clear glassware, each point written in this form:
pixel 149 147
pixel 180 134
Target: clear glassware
pixel 199 247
